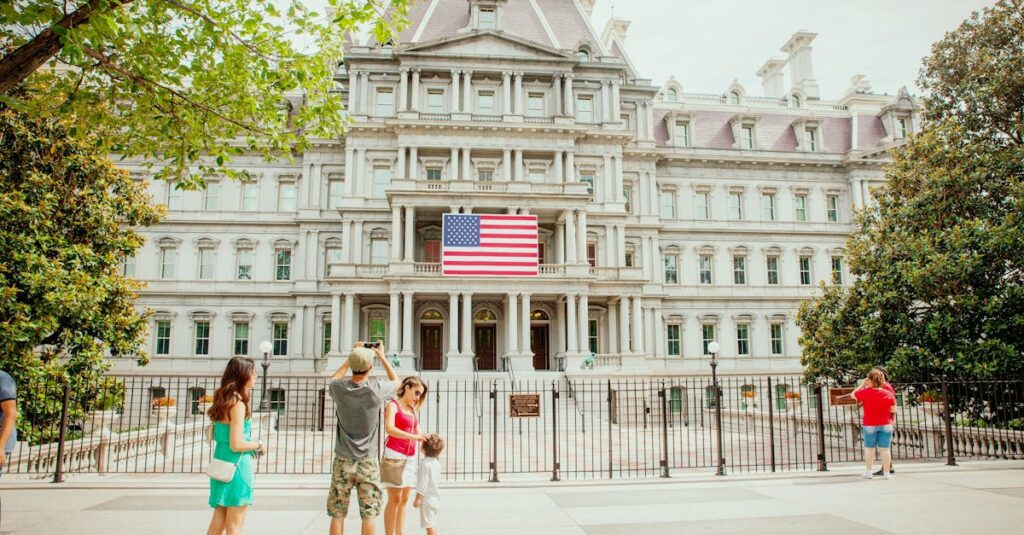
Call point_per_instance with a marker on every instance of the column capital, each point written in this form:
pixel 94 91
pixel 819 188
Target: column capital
pixel 617 82
pixel 415 70
pixel 506 74
pixel 467 72
pixel 394 293
pixel 404 70
pixel 456 71
pixel 453 295
pixel 467 294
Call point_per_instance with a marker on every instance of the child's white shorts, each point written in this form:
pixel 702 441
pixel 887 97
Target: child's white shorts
pixel 428 516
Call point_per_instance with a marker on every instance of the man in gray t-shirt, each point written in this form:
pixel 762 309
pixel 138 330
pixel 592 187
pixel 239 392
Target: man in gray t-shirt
pixel 357 405
pixel 8 417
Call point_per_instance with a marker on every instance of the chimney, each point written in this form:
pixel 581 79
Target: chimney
pixel 588 6
pixel 771 78
pixel 801 68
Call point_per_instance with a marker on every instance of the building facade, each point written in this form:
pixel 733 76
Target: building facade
pixel 667 219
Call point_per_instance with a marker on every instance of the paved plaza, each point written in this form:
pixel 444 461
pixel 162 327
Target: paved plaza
pixel 978 497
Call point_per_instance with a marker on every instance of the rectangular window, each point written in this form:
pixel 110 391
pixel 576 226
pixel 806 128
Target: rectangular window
pixel 485 175
pixel 249 200
pixel 128 266
pixel 163 337
pixel 627 193
pixel 211 199
pixel 837 270
pixel 286 197
pixel 674 343
pixel 245 260
pixel 800 203
pixel 671 269
pixel 379 251
pixel 240 343
pixel 904 129
pixel 277 400
pixel 776 335
pixel 772 263
pixel 589 181
pixel 536 176
pixel 542 256
pixel 768 207
pixel 206 265
pixel 283 265
pixel 485 102
pixel 173 196
pixel 592 336
pixel 707 336
pixel 326 345
pixel 805 270
pixel 432 251
pixel 833 208
pixel 335 193
pixel 747 137
pixel 629 258
pixel 585 109
pixel 487 19
pixel 434 173
pixel 743 339
pixel 675 402
pixel 280 338
pixel 535 105
pixel 811 139
pixel 332 256
pixel 668 203
pixel 202 338
pixel 381 181
pixel 378 330
pixel 194 395
pixel 736 206
pixel 682 134
pixel 435 101
pixel 385 102
pixel 702 209
pixel 705 269
pixel 592 254
pixel 739 270
pixel 167 259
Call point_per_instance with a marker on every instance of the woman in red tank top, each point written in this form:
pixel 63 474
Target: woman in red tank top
pixel 403 434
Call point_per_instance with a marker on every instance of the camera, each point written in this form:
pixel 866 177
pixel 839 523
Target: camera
pixel 372 345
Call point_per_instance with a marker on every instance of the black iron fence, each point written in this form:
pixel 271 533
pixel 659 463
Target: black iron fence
pixel 501 429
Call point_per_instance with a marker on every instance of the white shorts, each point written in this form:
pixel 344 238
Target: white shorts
pixel 428 516
pixel 409 474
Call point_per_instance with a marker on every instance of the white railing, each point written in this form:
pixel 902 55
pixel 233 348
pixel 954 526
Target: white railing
pixel 538 120
pixel 607 361
pixel 432 185
pixel 427 268
pixel 372 269
pixel 605 272
pixel 552 270
pixel 491 186
pixel 482 118
pixel 435 116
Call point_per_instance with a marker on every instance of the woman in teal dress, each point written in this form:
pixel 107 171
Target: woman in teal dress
pixel 232 435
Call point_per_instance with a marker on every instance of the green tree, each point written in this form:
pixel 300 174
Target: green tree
pixel 69 219
pixel 187 84
pixel 938 292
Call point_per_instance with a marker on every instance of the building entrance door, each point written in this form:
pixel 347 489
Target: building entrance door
pixel 430 346
pixel 539 346
pixel 486 345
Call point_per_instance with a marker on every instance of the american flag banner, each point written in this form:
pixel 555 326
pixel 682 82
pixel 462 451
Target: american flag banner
pixel 486 245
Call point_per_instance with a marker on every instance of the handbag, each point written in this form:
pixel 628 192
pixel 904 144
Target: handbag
pixel 223 471
pixel 391 471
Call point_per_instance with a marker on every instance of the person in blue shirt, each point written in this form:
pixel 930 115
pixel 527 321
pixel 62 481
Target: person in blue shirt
pixel 8 417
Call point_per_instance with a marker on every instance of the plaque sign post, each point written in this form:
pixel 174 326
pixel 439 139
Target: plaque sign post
pixel 524 405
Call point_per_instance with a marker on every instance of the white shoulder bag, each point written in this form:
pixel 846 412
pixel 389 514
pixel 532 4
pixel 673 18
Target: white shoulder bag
pixel 223 471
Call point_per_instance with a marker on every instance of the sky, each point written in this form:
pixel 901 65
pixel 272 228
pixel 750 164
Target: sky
pixel 706 44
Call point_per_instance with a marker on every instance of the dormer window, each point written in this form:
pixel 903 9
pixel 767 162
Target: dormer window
pixel 903 127
pixel 583 54
pixel 733 98
pixel 811 139
pixel 794 101
pixel 488 18
pixel 672 95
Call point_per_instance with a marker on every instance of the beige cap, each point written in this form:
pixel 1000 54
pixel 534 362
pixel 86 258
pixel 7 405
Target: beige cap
pixel 360 359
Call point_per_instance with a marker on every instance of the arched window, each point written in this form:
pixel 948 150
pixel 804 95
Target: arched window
pixel 672 95
pixel 539 315
pixel 485 315
pixel 734 98
pixel 795 101
pixel 583 54
pixel 431 315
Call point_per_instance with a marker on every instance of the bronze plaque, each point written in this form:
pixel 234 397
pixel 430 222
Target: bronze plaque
pixel 524 405
pixel 841 396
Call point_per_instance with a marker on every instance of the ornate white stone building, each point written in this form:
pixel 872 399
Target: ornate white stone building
pixel 668 219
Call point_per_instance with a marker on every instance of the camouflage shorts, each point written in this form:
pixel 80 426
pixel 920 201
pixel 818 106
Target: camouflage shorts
pixel 362 475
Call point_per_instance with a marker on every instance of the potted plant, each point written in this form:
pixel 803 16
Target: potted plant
pixel 931 402
pixel 164 409
pixel 104 406
pixel 203 404
pixel 793 400
pixel 748 402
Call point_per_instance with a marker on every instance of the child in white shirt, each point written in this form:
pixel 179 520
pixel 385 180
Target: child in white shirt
pixel 428 499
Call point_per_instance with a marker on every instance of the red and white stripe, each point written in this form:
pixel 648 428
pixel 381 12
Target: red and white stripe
pixel 508 248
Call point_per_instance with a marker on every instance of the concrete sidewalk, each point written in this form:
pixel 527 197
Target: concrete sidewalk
pixel 986 497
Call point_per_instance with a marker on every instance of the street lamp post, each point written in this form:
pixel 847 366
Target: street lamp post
pixel 266 347
pixel 713 348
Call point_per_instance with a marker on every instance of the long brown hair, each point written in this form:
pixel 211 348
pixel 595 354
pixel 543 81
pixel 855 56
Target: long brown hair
pixel 237 375
pixel 411 382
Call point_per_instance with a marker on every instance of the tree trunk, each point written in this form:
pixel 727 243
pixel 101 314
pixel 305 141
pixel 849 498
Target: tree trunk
pixel 18 65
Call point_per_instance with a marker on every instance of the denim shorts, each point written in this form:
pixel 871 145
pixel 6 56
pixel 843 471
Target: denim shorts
pixel 877 436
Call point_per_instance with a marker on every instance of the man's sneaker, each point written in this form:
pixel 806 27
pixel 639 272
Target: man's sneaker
pixel 867 475
pixel 881 472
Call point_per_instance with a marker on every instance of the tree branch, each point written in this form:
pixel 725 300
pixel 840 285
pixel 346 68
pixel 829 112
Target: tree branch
pixel 21 63
pixel 252 48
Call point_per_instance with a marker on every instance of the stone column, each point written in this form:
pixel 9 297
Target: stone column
pixel 610 243
pixel 559 328
pixel 649 119
pixel 467 323
pixel 403 92
pixel 364 94
pixel 624 325
pixel 511 325
pixel 353 93
pixel 556 95
pixel 571 329
pixel 518 174
pixel 519 94
pixel 620 235
pixel 410 236
pixel 453 324
pixel 581 237
pixel 525 333
pixel 407 310
pixel 453 165
pixel 346 241
pixel 400 171
pixel 349 170
pixel 569 105
pixel 467 98
pixel 606 191
pixel 396 233
pixel 602 111
pixel 559 167
pixel 393 316
pixel 335 323
pixel 584 323
pixel 506 93
pixel 559 243
pixel 570 237
pixel 616 104
pixel 619 184
pixel 613 326
pixel 655 209
pixel 414 97
pixel 506 164
pixel 467 165
pixel 638 338
pixel 456 106
pixel 357 242
pixel 348 337
pixel 570 167
pixel 414 163
pixel 357 179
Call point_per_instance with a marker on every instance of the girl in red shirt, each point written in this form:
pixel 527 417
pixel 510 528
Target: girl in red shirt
pixel 877 425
